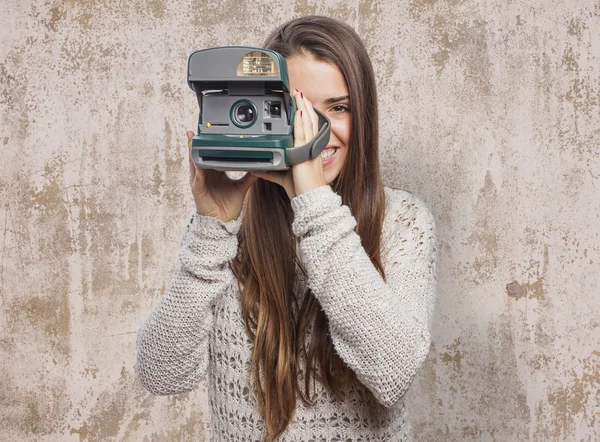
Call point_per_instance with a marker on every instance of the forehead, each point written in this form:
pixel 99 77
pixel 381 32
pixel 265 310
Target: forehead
pixel 318 80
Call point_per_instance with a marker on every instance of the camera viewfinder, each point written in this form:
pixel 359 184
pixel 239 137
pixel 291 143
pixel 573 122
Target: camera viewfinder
pixel 272 109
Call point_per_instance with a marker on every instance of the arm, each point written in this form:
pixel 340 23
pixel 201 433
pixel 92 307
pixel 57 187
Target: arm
pixel 172 344
pixel 379 329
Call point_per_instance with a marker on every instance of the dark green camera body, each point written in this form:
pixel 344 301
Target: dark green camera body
pixel 246 112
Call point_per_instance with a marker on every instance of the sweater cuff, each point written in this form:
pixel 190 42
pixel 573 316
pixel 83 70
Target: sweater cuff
pixel 312 205
pixel 208 244
pixel 212 227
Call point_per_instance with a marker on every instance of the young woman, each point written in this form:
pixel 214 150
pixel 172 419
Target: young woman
pixel 306 295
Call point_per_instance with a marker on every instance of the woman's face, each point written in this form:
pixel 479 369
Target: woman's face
pixel 324 85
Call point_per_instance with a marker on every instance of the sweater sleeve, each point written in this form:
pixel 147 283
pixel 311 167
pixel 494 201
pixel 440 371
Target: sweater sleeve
pixel 381 330
pixel 172 343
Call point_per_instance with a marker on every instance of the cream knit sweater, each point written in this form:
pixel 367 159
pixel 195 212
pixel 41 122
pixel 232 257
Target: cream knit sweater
pixel 381 330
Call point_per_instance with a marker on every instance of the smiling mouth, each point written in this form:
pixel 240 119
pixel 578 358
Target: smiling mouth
pixel 328 153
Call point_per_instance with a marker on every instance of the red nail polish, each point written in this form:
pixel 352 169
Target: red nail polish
pixel 300 113
pixel 301 95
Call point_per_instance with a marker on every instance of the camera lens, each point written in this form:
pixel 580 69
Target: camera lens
pixel 243 114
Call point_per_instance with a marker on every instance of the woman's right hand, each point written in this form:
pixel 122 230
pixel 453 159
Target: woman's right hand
pixel 215 194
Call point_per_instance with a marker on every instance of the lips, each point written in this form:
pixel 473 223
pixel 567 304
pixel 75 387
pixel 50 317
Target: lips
pixel 331 155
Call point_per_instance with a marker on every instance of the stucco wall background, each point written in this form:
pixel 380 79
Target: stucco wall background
pixel 489 112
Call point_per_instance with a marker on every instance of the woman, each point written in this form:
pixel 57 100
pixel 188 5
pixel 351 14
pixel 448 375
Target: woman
pixel 318 285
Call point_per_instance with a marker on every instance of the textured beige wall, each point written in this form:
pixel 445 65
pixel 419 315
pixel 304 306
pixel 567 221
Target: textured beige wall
pixel 490 113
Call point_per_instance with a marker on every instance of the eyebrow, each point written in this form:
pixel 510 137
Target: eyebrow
pixel 336 99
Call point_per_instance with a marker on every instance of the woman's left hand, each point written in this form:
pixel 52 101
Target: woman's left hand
pixel 309 174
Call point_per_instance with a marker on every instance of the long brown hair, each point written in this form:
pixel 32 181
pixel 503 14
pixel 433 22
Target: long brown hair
pixel 266 259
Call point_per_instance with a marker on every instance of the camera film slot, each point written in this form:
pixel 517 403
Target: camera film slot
pixel 235 156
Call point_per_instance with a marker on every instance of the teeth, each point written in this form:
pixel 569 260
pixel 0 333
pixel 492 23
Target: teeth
pixel 327 153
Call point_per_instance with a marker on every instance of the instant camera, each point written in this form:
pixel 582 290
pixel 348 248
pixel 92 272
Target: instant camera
pixel 246 112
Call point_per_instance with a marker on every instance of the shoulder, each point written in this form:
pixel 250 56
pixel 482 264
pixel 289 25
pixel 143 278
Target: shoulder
pixel 409 225
pixel 404 205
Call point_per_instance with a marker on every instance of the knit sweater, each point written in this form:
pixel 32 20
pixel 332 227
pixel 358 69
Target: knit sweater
pixel 380 330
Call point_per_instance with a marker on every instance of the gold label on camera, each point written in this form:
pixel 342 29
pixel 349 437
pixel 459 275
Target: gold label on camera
pixel 256 63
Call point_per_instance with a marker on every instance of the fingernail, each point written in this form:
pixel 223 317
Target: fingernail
pixel 301 95
pixel 300 113
pixel 296 90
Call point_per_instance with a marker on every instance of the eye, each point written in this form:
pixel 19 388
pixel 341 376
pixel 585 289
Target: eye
pixel 341 108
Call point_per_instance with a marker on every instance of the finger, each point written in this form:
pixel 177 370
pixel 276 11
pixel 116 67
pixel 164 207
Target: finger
pixel 299 135
pixel 307 122
pixel 314 118
pixel 299 97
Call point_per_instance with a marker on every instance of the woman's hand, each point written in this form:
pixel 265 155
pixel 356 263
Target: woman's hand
pixel 215 194
pixel 309 174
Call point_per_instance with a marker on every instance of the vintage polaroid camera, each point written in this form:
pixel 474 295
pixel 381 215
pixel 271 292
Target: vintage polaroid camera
pixel 246 112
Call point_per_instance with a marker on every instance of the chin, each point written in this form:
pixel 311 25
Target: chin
pixel 331 176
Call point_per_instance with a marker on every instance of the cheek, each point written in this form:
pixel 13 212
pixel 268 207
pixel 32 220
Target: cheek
pixel 342 129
